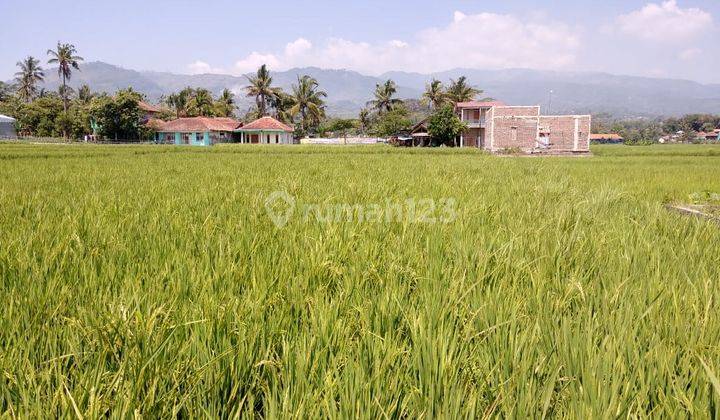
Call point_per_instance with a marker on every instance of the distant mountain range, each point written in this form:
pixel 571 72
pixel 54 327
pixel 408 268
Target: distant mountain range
pixel 348 91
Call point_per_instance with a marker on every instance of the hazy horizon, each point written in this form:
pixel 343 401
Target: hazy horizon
pixel 509 69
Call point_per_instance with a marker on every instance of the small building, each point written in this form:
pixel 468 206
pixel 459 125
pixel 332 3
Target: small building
pixel 7 127
pixel 496 127
pixel 197 131
pixel 420 135
pixel 149 111
pixel 266 130
pixel 710 136
pixel 610 138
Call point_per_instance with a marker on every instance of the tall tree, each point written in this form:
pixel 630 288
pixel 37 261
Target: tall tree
pixel 384 100
pixel 84 94
pixel 180 102
pixel 28 77
pixel 434 94
pixel 5 91
pixel 66 92
pixel 225 104
pixel 283 104
pixel 261 89
pixel 460 91
pixel 201 103
pixel 309 103
pixel 445 126
pixel 65 56
pixel 364 120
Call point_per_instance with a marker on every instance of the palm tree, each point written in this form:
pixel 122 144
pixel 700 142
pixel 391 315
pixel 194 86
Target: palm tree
pixel 66 92
pixel 85 95
pixel 28 77
pixel 201 103
pixel 179 102
pixel 261 89
pixel 5 91
pixel 364 119
pixel 225 105
pixel 66 59
pixel 309 102
pixel 434 94
pixel 283 103
pixel 460 91
pixel 384 100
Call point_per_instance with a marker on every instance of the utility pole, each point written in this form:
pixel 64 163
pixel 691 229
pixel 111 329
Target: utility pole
pixel 550 102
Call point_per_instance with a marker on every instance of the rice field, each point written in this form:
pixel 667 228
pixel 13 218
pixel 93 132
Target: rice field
pixel 151 281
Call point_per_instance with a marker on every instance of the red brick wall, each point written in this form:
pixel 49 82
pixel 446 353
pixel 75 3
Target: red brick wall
pixel 517 111
pixel 510 133
pixel 562 131
pixel 470 137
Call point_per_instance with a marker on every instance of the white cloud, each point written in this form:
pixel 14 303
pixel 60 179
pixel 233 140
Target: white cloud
pixel 690 54
pixel 484 40
pixel 255 60
pixel 298 47
pixel 665 22
pixel 201 67
pixel 397 43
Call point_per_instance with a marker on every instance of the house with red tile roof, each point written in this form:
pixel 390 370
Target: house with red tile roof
pixel 604 138
pixel 266 130
pixel 149 111
pixel 709 136
pixel 206 131
pixel 197 131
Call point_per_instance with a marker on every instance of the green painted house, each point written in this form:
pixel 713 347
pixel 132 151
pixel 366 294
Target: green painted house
pixel 206 131
pixel 198 131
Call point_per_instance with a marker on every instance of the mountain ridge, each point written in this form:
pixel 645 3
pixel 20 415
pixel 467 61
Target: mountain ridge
pixel 348 90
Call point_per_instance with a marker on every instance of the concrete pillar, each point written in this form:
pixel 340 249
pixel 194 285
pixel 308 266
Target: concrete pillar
pixel 576 139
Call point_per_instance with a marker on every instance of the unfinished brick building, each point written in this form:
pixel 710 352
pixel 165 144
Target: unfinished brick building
pixel 497 127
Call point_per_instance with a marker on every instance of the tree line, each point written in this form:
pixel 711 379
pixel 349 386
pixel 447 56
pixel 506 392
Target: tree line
pixel 74 114
pixel 650 130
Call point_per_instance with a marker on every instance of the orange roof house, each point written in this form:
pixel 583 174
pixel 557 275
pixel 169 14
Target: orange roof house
pixel 149 111
pixel 206 131
pixel 148 108
pixel 198 131
pixel 266 130
pixel 606 138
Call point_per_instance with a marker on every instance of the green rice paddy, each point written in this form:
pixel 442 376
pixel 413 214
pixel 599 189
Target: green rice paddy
pixel 150 281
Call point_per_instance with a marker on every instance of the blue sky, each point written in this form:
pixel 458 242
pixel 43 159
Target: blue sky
pixel 671 38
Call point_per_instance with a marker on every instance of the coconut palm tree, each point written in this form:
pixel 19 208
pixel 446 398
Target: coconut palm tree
pixel 201 103
pixel 460 91
pixel 5 91
pixel 434 94
pixel 225 104
pixel 283 103
pixel 309 103
pixel 65 56
pixel 364 120
pixel 28 77
pixel 261 89
pixel 85 95
pixel 66 92
pixel 179 102
pixel 384 100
